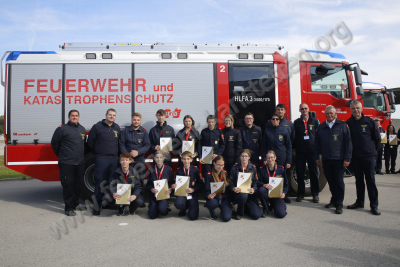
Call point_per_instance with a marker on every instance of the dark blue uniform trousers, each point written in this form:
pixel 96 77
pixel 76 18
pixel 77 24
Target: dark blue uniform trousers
pixel 334 171
pixel 224 204
pixel 278 203
pixel 366 166
pixel 301 159
pixel 246 204
pixel 103 169
pixel 71 177
pixel 182 204
pixel 379 158
pixel 132 207
pixel 156 207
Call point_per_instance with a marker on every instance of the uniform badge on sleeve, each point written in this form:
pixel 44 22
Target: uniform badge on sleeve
pixel 116 133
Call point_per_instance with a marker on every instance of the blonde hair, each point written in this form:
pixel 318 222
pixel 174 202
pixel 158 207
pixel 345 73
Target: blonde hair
pixel 230 117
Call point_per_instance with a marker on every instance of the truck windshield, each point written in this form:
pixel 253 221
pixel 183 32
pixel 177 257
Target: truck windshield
pixel 333 82
pixel 376 101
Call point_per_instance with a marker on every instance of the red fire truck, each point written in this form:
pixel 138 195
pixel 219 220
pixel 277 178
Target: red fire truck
pixel 196 79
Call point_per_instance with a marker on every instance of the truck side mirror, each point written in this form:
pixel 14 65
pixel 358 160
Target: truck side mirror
pixel 359 90
pixel 324 68
pixel 357 75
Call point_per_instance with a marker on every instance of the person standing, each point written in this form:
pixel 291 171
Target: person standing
pixel 188 133
pixel 233 144
pixel 68 143
pixel 333 142
pixel 135 141
pixel 251 138
pixel 305 129
pixel 378 168
pixel 212 137
pixel 280 110
pixel 161 129
pixel 365 138
pixel 103 139
pixel 390 152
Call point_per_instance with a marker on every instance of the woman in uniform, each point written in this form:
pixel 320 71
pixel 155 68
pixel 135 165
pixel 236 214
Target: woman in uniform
pixel 245 200
pixel 214 201
pixel 390 152
pixel 233 144
pixel 272 169
pixel 188 133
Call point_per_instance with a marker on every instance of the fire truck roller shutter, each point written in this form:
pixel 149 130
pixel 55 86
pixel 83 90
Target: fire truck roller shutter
pixel 94 88
pixel 180 89
pixel 292 178
pixel 35 107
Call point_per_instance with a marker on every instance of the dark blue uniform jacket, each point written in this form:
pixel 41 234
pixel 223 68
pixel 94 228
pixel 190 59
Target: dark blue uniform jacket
pixel 233 179
pixel 278 140
pixel 263 177
pixel 132 139
pixel 103 139
pixel 251 139
pixel 305 145
pixel 213 138
pixel 196 183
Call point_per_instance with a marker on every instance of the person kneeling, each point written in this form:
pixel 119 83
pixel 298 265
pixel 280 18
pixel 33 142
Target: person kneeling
pixel 159 171
pixel 272 170
pixel 196 185
pixel 127 175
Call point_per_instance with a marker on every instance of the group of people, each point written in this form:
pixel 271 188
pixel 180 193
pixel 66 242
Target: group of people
pixel 390 150
pixel 234 151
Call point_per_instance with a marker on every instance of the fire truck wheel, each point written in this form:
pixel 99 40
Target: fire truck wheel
pixel 88 183
pixel 292 178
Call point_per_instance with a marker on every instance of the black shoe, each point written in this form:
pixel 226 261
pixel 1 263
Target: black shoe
pixel 299 198
pixel 375 211
pixel 123 211
pixel 96 212
pixel 387 172
pixel 235 216
pixel 168 210
pixel 315 199
pixel 132 213
pixel 182 213
pixel 143 205
pixel 398 171
pixel 265 214
pixel 287 200
pixel 339 210
pixel 393 172
pixel 379 172
pixel 70 213
pixel 213 217
pixel 355 206
pixel 330 205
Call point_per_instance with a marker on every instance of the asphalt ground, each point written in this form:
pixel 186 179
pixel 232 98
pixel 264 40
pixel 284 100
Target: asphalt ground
pixel 310 235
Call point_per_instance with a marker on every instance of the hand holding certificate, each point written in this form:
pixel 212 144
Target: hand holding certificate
pixel 393 140
pixel 124 190
pixel 277 187
pixel 217 188
pixel 244 182
pixel 162 187
pixel 188 146
pixel 166 144
pixel 206 154
pixel 182 183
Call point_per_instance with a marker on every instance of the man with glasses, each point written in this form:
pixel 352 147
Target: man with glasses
pixel 251 137
pixel 305 129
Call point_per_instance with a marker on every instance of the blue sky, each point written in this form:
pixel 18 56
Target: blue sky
pixel 374 26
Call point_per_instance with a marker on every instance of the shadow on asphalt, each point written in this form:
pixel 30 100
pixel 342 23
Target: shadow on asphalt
pixel 346 257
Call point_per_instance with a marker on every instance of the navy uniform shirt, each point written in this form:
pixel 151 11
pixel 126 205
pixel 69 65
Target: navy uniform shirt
pixel 160 131
pixel 132 139
pixel 233 179
pixel 263 177
pixel 333 143
pixel 278 140
pixel 132 178
pixel 104 139
pixel 365 136
pixel 166 174
pixel 213 138
pixel 251 139
pixel 287 125
pixel 233 145
pixel 195 181
pixel 68 143
pixel 210 179
pixel 304 138
pixel 181 136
